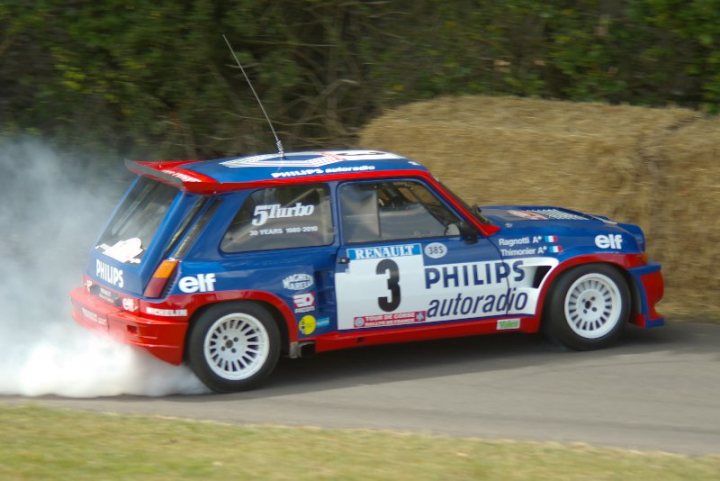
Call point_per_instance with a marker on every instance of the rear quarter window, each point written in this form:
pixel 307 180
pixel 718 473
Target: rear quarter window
pixel 281 218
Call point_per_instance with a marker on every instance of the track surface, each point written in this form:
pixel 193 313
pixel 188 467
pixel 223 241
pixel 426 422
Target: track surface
pixel 656 390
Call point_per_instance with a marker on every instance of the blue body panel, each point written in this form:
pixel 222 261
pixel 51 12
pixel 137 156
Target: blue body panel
pixel 445 279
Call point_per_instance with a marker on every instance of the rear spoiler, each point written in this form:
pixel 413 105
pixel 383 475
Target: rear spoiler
pixel 172 173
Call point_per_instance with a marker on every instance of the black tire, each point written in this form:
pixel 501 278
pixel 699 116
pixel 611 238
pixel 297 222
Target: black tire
pixel 233 346
pixel 587 307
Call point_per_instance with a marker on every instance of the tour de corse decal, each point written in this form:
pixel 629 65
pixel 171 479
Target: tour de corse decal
pixel 404 289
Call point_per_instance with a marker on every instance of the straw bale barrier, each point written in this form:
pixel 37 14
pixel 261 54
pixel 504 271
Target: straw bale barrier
pixel 655 167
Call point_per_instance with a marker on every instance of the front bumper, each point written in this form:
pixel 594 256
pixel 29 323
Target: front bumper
pixel 163 338
pixel 650 289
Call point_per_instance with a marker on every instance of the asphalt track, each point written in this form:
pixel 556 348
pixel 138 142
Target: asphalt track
pixel 656 390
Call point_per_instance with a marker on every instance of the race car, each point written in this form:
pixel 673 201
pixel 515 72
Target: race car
pixel 228 264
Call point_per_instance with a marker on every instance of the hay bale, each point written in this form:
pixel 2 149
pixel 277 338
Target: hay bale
pixel 690 234
pixel 602 159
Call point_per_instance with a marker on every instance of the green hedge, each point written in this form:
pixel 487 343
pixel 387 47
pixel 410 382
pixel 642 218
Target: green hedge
pixel 154 78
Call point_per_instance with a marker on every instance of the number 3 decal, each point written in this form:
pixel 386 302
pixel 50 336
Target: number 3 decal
pixel 389 304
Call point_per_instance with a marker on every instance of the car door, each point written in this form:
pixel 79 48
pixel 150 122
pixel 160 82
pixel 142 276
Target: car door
pixel 404 262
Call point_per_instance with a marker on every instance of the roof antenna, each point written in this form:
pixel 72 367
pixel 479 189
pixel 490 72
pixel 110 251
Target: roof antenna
pixel 278 143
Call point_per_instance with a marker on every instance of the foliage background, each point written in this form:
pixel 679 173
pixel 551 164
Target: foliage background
pixel 154 79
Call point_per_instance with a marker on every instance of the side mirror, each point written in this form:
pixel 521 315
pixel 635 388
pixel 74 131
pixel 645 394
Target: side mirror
pixel 468 233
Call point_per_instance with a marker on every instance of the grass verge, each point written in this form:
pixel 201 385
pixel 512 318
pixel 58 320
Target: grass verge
pixel 45 444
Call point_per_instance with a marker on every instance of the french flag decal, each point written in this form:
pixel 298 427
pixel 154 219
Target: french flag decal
pixel 550 238
pixel 556 249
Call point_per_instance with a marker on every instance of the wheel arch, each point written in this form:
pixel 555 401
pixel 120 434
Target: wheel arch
pixel 618 263
pixel 278 309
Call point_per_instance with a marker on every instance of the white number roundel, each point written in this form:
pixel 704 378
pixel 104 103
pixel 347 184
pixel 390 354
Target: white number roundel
pixel 435 250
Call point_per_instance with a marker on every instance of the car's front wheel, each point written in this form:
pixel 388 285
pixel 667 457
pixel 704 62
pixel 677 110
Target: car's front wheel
pixel 233 346
pixel 587 307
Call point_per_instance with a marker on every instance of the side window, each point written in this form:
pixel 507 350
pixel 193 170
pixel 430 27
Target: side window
pixel 394 210
pixel 281 218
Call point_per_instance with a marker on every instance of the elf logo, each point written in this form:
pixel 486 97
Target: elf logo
pixel 611 241
pixel 199 283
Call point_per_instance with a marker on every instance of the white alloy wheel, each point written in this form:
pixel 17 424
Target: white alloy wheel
pixel 593 306
pixel 236 346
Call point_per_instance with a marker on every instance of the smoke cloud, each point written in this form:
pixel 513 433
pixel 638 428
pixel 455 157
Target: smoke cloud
pixel 52 208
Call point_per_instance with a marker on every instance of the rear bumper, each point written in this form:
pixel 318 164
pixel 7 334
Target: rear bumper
pixel 163 338
pixel 650 289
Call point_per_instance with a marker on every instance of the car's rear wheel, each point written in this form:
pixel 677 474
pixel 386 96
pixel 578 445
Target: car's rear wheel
pixel 233 346
pixel 587 307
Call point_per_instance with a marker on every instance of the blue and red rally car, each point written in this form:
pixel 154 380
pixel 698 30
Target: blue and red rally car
pixel 229 264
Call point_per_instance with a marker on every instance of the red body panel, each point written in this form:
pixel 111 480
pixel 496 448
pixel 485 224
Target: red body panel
pixel 444 330
pixel 654 288
pixel 165 337
pixel 162 337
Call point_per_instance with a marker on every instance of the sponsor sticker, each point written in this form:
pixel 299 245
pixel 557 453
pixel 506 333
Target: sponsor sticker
pixel 333 170
pixel 610 241
pixel 109 274
pixel 129 304
pixel 486 304
pixel 199 283
pixel 323 322
pixel 545 214
pixel 166 312
pixel 557 214
pixel 180 175
pixel 525 214
pixel 436 250
pixel 304 302
pixel 505 324
pixel 94 317
pixel 473 274
pixel 382 252
pixel 124 250
pixel 307 325
pixel 297 282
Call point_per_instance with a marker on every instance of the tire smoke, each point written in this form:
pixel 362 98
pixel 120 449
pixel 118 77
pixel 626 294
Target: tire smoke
pixel 52 207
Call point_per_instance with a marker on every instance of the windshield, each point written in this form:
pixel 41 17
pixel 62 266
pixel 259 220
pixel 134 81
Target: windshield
pixel 474 210
pixel 131 230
